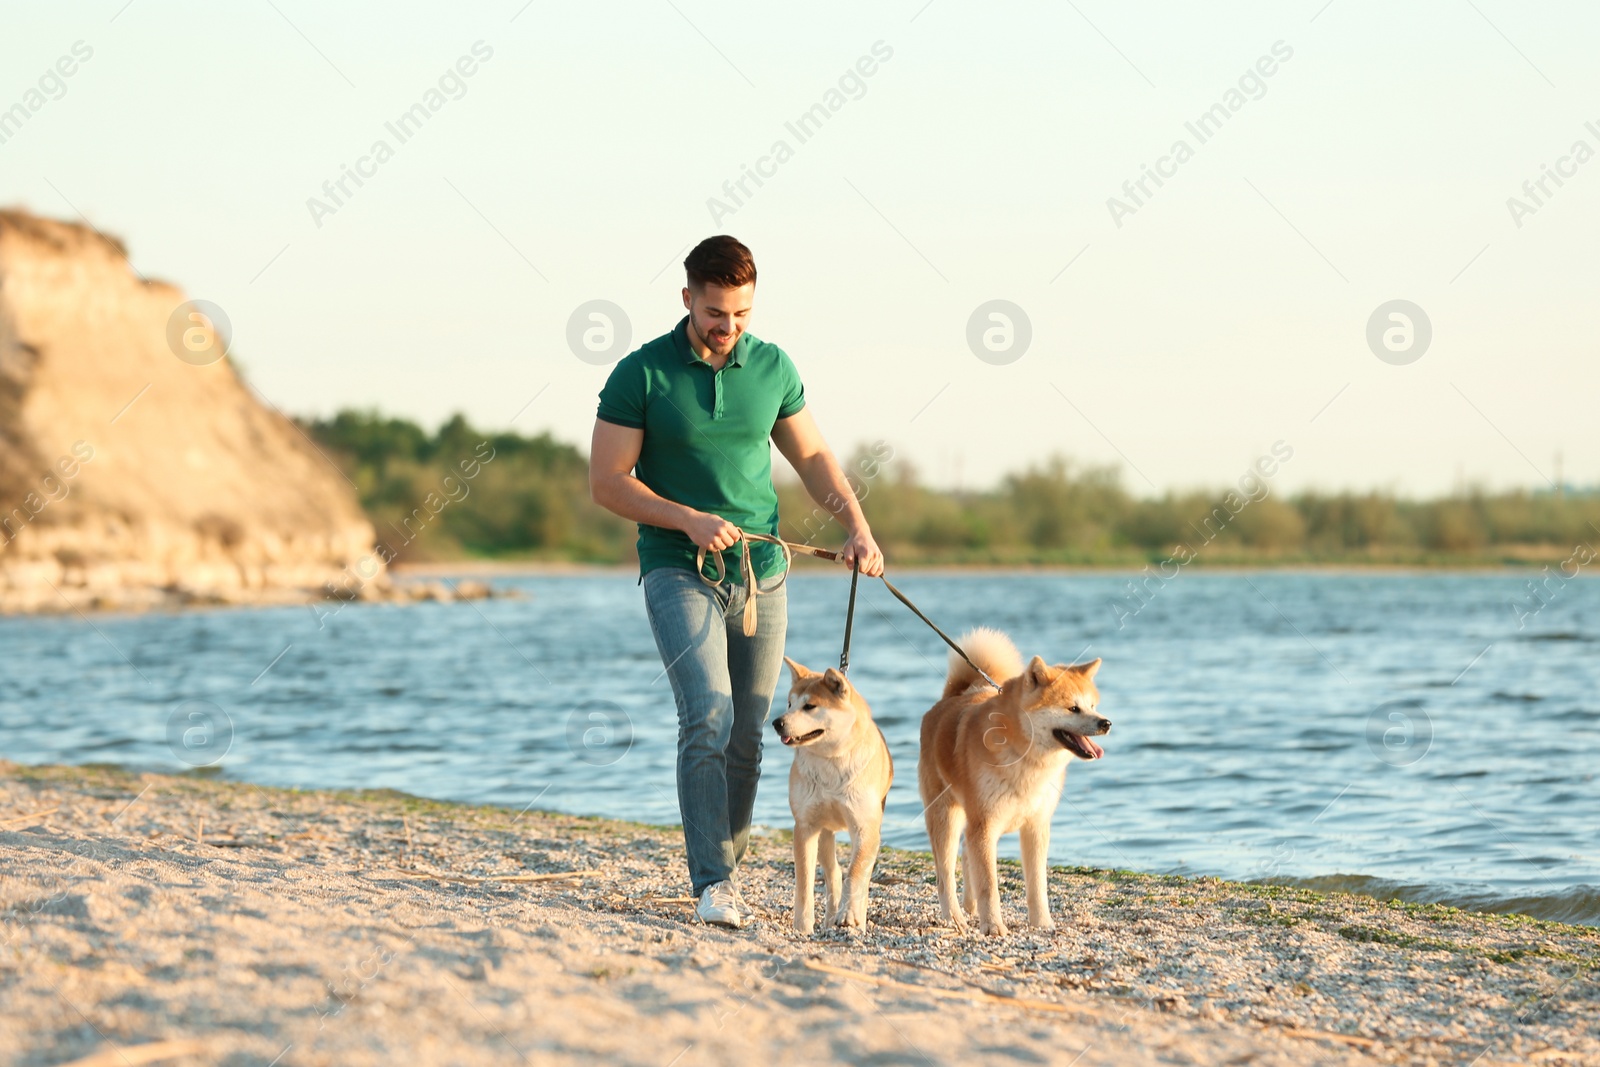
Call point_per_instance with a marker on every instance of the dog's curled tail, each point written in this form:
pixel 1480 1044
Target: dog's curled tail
pixel 991 650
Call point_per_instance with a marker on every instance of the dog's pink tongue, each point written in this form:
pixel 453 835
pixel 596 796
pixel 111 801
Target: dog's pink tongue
pixel 1095 751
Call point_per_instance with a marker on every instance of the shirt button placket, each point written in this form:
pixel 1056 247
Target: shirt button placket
pixel 716 393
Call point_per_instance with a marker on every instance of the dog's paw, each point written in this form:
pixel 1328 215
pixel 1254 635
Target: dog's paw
pixel 993 927
pixel 851 918
pixel 1045 924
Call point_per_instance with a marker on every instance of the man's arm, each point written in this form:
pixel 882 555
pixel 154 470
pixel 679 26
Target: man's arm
pixel 613 453
pixel 801 443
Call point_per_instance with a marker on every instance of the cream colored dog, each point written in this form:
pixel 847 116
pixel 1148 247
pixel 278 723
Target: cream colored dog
pixel 839 781
pixel 995 762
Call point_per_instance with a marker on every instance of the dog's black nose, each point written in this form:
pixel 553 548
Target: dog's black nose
pixel 1104 725
pixel 777 724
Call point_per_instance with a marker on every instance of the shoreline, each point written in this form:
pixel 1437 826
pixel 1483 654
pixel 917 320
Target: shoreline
pixel 558 568
pixel 377 927
pixel 427 582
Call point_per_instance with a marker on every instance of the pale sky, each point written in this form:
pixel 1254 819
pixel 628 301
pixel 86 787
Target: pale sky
pixel 974 163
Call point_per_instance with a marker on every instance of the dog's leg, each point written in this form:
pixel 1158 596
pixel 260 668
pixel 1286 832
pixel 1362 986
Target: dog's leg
pixel 805 876
pixel 1035 870
pixel 865 837
pixel 982 839
pixel 830 874
pixel 969 899
pixel 945 820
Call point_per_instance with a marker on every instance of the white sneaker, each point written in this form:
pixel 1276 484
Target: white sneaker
pixel 746 910
pixel 719 904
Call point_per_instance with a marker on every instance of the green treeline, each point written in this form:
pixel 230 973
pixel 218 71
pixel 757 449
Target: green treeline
pixel 463 493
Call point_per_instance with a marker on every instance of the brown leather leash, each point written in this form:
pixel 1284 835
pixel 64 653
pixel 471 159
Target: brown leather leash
pixel 747 572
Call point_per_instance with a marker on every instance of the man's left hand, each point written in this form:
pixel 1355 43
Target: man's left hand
pixel 861 549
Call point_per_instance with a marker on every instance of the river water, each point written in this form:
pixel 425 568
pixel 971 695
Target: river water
pixel 1428 736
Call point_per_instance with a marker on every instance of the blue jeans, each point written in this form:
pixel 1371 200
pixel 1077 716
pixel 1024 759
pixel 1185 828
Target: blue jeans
pixel 723 683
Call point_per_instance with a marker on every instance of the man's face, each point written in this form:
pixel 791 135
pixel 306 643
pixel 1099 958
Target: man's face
pixel 717 315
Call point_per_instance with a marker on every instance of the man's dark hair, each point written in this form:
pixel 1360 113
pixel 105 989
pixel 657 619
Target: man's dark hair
pixel 720 260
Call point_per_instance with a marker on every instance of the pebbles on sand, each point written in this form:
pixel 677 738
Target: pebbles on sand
pixel 323 928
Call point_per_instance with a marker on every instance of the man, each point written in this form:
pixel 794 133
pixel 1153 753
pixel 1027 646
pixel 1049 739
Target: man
pixel 680 447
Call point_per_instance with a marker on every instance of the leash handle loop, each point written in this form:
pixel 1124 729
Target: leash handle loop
pixel 700 567
pixel 747 572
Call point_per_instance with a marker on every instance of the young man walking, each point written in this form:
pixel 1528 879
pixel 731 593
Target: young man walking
pixel 680 447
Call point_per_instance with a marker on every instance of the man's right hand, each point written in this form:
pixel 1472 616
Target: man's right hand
pixel 712 532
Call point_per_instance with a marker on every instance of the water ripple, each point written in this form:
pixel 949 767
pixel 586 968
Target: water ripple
pixel 1401 727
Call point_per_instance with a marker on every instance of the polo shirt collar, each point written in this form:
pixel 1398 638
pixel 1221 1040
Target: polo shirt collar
pixel 680 337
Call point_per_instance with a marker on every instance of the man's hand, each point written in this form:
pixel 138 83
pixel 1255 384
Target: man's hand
pixel 863 549
pixel 711 532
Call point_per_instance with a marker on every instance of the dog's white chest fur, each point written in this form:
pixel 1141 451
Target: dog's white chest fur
pixel 1013 795
pixel 826 792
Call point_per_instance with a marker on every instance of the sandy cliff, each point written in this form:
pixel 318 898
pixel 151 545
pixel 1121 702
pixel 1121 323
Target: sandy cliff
pixel 130 477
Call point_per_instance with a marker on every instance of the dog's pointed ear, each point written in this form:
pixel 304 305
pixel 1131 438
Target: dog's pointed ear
pixel 1088 669
pixel 1037 673
pixel 834 680
pixel 796 670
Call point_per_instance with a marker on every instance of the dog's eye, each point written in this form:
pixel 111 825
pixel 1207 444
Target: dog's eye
pixel 807 707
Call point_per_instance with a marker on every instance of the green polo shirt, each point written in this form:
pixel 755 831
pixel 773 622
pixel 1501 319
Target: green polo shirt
pixel 706 435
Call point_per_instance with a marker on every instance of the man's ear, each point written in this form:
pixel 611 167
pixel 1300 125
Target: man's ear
pixel 834 680
pixel 1088 669
pixel 796 670
pixel 1037 673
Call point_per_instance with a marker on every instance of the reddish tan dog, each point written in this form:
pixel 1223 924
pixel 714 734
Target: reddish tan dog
pixel 839 781
pixel 995 762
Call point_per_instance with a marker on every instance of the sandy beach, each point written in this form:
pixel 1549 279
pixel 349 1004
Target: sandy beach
pixel 158 919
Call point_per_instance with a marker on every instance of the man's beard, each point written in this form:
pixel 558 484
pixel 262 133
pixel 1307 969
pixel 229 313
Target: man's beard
pixel 721 348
